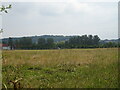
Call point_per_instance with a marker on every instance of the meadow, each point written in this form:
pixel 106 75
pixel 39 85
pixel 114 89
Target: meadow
pixel 64 68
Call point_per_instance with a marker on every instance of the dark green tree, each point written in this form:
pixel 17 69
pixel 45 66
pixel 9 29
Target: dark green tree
pixel 96 40
pixel 60 44
pixel 10 43
pixel 41 43
pixel 49 43
pixel 110 45
pixel 90 40
pixel 16 43
pixel 25 43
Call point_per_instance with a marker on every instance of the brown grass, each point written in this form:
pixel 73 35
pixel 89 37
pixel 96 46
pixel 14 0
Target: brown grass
pixel 54 57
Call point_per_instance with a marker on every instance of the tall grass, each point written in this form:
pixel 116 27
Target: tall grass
pixel 65 68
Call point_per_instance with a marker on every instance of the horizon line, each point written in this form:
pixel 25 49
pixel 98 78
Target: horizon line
pixel 55 35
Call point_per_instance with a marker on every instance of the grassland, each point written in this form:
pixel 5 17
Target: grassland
pixel 67 68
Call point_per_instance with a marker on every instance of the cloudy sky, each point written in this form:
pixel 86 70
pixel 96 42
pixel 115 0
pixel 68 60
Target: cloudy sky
pixel 61 18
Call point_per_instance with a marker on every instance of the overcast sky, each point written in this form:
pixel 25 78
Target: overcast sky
pixel 61 18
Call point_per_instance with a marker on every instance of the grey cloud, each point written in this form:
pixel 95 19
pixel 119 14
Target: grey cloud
pixel 61 18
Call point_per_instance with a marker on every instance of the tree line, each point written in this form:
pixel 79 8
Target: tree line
pixel 26 43
pixel 84 41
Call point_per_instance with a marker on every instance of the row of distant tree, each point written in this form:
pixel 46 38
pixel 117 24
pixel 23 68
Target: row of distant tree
pixel 26 43
pixel 84 41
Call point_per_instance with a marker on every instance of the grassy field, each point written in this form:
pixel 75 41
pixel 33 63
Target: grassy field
pixel 67 68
